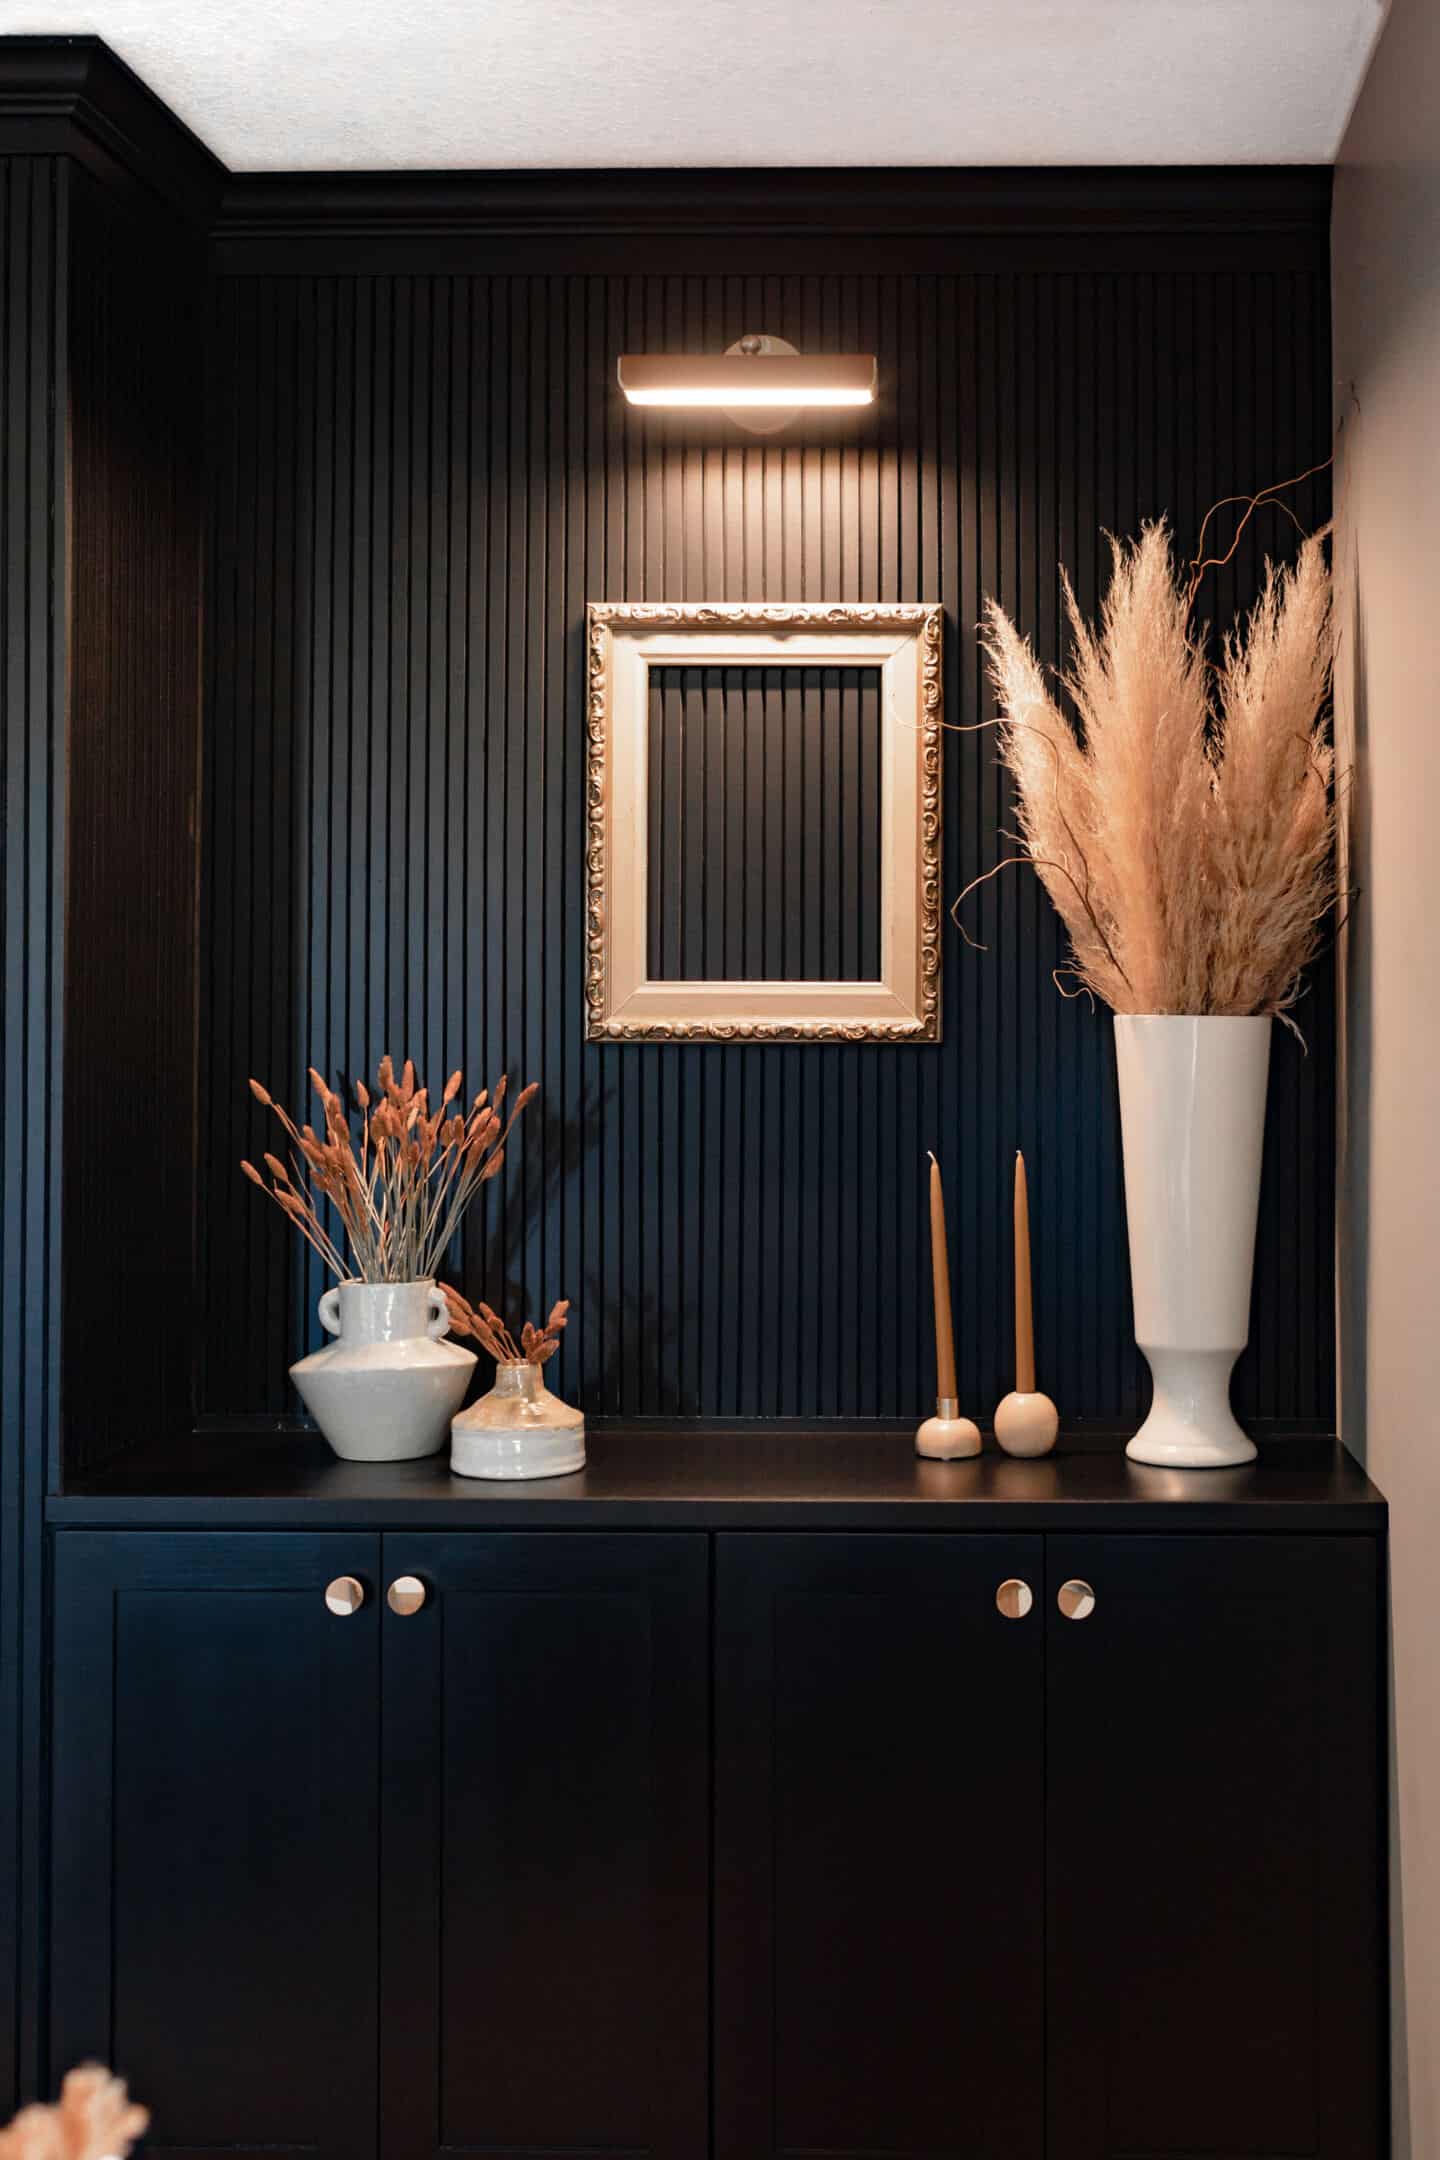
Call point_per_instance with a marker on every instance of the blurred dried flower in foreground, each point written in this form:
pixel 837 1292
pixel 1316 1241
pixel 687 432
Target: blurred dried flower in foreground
pixel 93 2118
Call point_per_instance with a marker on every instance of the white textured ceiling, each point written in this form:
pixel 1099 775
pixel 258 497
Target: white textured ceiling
pixel 283 84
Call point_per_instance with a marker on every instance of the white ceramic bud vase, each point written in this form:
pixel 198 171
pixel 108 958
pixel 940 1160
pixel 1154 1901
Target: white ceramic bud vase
pixel 1192 1120
pixel 518 1430
pixel 388 1388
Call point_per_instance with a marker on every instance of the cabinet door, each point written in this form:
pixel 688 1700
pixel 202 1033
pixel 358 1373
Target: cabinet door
pixel 216 1756
pixel 879 1847
pixel 1215 1883
pixel 545 1846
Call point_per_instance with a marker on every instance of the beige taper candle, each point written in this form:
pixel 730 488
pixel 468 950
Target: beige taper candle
pixel 1024 1309
pixel 947 1436
pixel 940 1263
pixel 1026 1422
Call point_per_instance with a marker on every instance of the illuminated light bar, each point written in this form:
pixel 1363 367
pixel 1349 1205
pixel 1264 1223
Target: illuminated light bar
pixel 771 379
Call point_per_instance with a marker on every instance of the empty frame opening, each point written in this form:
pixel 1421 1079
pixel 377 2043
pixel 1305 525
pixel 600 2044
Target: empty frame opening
pixel 764 824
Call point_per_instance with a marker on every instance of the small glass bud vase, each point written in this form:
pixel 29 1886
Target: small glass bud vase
pixel 518 1430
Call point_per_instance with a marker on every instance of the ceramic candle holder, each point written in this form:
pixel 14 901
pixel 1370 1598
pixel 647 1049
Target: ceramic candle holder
pixel 947 1437
pixel 1027 1424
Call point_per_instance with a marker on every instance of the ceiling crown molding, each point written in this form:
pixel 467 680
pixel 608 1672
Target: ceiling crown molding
pixel 74 97
pixel 870 201
pixel 753 220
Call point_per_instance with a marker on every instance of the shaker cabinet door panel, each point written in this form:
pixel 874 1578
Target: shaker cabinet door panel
pixel 1215 1866
pixel 546 1847
pixel 879 1847
pixel 215 1834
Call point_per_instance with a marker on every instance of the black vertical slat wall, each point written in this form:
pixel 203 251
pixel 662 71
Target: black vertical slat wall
pixel 763 822
pixel 33 217
pixel 417 481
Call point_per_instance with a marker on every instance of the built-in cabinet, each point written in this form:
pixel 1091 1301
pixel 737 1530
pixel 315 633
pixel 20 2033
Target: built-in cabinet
pixel 745 1844
pixel 443 1871
pixel 880 1847
pixel 1214 1848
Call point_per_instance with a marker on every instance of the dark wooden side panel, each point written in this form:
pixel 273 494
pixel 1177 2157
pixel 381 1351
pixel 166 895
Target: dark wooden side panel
pixel 135 526
pixel 33 209
pixel 215 1835
pixel 546 1837
pixel 879 1894
pixel 1215 1872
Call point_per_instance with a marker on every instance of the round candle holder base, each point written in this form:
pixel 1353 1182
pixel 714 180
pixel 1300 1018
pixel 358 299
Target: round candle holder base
pixel 947 1437
pixel 1026 1424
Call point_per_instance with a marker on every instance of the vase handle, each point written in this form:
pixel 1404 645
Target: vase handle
pixel 329 1311
pixel 439 1321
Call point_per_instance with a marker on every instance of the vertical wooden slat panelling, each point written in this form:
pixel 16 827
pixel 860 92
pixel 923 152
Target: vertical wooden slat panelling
pixel 417 482
pixel 804 901
pixel 136 541
pixel 33 209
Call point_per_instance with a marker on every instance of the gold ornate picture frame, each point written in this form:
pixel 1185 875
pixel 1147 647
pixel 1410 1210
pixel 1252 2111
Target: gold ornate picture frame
pixel 903 644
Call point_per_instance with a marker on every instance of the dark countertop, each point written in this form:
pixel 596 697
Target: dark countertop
pixel 755 1477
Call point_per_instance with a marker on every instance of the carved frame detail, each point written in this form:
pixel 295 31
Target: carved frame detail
pixel 622 640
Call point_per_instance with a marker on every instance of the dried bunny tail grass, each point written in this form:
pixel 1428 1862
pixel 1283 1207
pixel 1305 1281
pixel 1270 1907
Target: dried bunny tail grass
pixel 1190 852
pixel 400 1199
pixel 482 1322
pixel 464 1320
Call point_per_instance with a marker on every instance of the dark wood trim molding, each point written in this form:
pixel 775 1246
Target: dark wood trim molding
pixel 74 97
pixel 757 221
pixel 870 203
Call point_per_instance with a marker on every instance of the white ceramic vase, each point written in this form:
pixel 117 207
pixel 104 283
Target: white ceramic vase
pixel 1192 1120
pixel 518 1430
pixel 387 1389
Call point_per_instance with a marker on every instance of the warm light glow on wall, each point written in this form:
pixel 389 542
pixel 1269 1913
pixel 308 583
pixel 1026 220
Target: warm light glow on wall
pixel 783 381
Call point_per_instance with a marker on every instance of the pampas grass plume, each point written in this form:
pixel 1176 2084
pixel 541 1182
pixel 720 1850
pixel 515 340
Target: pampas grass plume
pixel 1185 828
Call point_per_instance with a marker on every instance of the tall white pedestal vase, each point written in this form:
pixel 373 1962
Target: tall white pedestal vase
pixel 1192 1120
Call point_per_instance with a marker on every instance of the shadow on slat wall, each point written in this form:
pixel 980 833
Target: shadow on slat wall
pixel 417 482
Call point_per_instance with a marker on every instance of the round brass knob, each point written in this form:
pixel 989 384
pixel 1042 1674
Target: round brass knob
pixel 405 1595
pixel 1076 1599
pixel 344 1596
pixel 1013 1599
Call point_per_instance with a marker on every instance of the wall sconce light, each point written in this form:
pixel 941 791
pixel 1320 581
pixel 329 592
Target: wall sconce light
pixel 760 381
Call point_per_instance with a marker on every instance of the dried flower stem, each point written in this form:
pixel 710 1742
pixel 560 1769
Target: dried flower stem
pixel 1201 562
